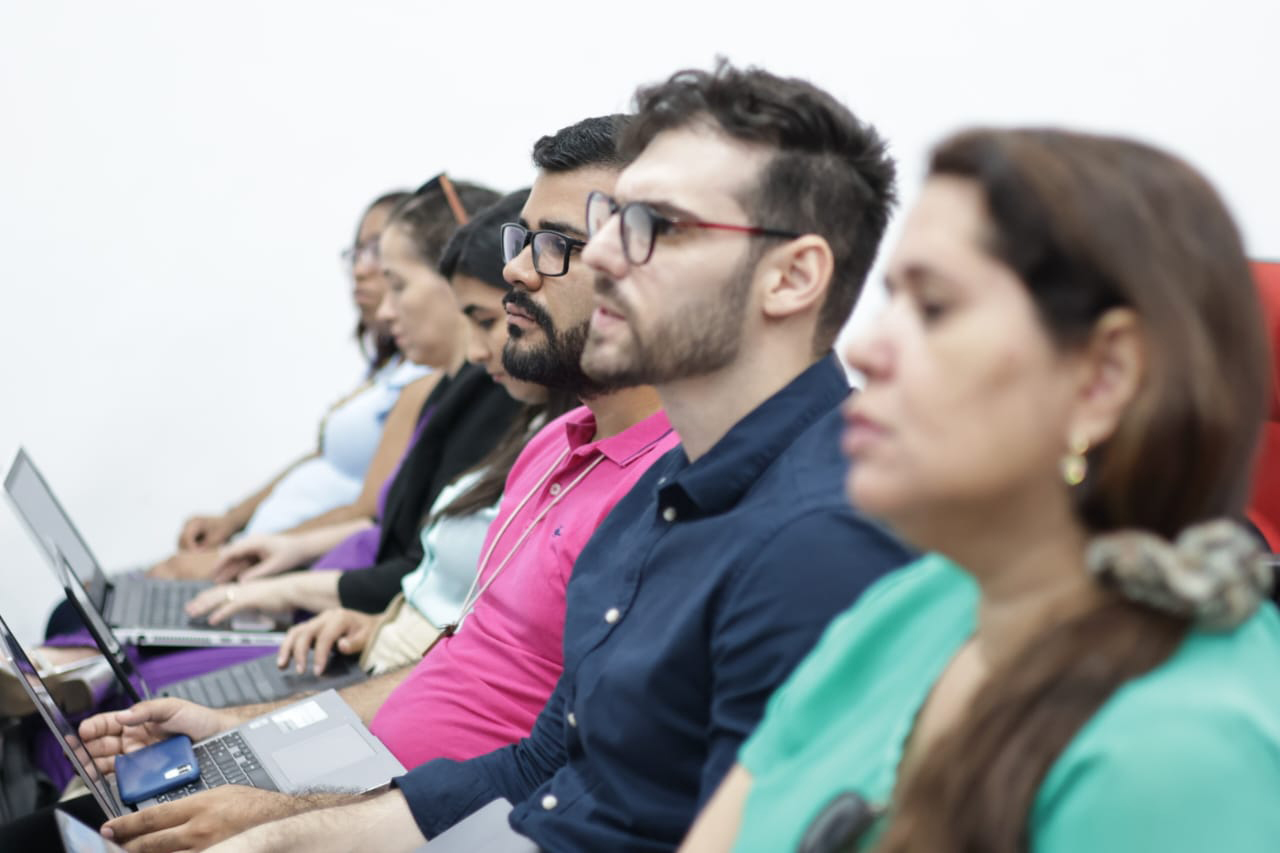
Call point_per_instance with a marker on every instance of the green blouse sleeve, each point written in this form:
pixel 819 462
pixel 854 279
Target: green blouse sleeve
pixel 1179 784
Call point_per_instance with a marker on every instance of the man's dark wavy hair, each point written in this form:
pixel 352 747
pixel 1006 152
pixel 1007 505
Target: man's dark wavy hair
pixel 830 174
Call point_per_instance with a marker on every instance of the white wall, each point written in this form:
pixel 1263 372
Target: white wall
pixel 176 179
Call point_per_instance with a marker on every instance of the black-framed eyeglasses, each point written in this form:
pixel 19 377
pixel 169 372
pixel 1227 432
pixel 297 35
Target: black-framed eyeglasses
pixel 640 226
pixel 551 249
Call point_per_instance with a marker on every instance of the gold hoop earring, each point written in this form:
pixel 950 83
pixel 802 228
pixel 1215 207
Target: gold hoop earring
pixel 1074 465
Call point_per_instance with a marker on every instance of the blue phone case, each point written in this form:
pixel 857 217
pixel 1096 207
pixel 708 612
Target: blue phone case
pixel 155 769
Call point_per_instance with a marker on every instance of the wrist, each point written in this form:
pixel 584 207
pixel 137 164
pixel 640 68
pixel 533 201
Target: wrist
pixel 237 517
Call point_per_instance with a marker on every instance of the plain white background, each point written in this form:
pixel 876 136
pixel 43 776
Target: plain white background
pixel 176 180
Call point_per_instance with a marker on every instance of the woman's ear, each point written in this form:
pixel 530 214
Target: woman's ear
pixel 1112 366
pixel 797 276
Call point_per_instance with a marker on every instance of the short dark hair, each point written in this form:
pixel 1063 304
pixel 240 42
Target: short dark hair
pixel 429 221
pixel 590 142
pixel 831 173
pixel 475 249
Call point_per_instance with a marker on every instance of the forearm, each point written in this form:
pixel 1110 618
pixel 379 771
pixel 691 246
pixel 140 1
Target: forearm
pixel 367 697
pixel 314 591
pixel 382 822
pixel 364 698
pixel 318 541
pixel 360 509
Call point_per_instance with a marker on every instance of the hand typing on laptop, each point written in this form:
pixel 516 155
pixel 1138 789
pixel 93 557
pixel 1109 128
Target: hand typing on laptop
pixel 314 591
pixel 336 629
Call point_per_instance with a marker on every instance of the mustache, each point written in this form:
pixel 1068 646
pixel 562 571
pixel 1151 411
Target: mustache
pixel 520 300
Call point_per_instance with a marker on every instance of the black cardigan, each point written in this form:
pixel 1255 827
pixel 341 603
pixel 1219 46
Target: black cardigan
pixel 469 416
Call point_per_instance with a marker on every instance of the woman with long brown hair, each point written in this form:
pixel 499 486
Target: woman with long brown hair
pixel 1062 400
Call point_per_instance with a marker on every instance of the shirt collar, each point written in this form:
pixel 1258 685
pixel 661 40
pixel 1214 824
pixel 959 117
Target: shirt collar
pixel 620 449
pixel 719 479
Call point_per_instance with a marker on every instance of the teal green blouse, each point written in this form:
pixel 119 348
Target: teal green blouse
pixel 1185 758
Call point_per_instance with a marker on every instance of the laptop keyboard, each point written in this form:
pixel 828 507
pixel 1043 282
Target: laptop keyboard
pixel 260 680
pixel 226 760
pixel 159 605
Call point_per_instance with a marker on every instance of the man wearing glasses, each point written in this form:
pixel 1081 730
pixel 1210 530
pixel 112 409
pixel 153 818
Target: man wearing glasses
pixel 727 259
pixel 485 685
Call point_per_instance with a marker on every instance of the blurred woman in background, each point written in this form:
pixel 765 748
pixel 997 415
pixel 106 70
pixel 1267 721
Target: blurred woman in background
pixel 1062 401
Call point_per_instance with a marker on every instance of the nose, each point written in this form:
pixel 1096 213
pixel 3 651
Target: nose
pixel 519 271
pixel 871 351
pixel 603 252
pixel 385 314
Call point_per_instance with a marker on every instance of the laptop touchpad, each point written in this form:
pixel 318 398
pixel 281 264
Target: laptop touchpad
pixel 305 762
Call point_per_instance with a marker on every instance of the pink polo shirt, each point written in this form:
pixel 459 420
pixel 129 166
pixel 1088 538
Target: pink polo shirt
pixel 482 688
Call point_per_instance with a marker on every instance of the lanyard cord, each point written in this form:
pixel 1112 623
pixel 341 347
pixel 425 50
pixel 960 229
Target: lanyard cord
pixel 472 597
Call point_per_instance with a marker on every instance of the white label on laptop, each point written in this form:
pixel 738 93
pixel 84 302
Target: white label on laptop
pixel 299 716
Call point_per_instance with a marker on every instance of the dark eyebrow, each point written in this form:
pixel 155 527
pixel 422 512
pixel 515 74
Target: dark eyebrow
pixel 670 210
pixel 563 227
pixel 919 274
pixel 524 223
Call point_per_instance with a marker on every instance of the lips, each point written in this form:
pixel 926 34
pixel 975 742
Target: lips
pixel 861 431
pixel 512 311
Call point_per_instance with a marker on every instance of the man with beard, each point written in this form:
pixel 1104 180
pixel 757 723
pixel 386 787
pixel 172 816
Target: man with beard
pixel 483 686
pixel 729 256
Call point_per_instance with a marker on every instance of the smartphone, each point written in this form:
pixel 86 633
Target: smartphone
pixel 154 769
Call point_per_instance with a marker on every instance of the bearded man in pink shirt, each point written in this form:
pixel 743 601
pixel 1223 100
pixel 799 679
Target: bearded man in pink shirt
pixel 482 687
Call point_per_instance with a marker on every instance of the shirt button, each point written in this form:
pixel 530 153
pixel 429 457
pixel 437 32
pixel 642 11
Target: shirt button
pixel 669 513
pixel 662 481
pixel 555 489
pixel 549 802
pixel 573 720
pixel 612 615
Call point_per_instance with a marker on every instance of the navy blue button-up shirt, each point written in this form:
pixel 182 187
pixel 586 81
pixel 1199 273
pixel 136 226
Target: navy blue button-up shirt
pixel 692 602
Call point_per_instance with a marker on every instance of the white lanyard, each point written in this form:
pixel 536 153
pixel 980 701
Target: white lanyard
pixel 469 603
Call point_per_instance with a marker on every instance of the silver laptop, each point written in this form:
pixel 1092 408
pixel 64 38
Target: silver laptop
pixel 318 742
pixel 258 680
pixel 144 611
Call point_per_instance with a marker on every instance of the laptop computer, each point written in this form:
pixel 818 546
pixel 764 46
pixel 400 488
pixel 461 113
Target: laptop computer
pixel 258 680
pixel 144 611
pixel 318 742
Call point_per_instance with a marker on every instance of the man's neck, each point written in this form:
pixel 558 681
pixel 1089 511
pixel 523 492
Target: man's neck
pixel 621 410
pixel 704 408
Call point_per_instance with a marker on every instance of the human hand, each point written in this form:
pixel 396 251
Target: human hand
pixel 219 603
pixel 259 556
pixel 200 820
pixel 349 630
pixel 186 565
pixel 203 532
pixel 116 732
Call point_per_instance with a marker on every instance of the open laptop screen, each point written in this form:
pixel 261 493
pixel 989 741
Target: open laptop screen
pixel 58 722
pixel 127 676
pixel 50 526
